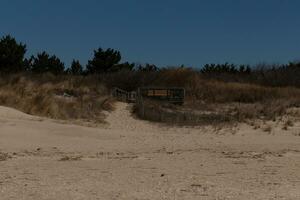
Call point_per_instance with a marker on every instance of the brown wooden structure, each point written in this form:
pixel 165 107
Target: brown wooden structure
pixel 174 95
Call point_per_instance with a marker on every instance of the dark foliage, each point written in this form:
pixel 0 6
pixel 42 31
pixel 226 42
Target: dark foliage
pixel 225 69
pixel 103 61
pixel 277 75
pixel 11 55
pixel 108 61
pixel 75 69
pixel 44 63
pixel 147 68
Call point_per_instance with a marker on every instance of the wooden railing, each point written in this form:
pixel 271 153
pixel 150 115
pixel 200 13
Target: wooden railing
pixel 124 96
pixel 167 94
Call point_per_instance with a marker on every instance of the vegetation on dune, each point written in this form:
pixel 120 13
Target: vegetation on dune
pixel 58 97
pixel 42 85
pixel 214 101
pixel 104 61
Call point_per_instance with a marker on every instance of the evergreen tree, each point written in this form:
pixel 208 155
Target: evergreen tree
pixel 43 62
pixel 148 68
pixel 76 68
pixel 11 55
pixel 103 61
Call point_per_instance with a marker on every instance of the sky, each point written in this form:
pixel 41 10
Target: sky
pixel 162 32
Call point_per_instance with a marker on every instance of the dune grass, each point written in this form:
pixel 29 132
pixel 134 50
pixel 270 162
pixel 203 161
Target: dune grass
pixel 55 97
pixel 211 101
pixel 207 100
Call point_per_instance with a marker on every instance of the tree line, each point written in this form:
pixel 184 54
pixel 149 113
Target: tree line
pixel 12 60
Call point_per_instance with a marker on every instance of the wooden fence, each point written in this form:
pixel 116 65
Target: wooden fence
pixel 124 96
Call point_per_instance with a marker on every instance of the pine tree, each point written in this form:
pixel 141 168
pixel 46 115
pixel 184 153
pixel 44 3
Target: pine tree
pixel 11 55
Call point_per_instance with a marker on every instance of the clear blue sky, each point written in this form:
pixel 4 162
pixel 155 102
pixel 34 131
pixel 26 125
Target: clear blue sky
pixel 163 32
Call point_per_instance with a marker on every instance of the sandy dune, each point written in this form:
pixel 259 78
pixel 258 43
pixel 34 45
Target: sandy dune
pixel 134 159
pixel 9 113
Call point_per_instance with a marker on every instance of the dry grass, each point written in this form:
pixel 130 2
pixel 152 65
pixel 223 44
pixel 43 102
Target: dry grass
pixel 55 97
pixel 171 114
pixel 267 128
pixel 288 123
pixel 207 101
pixel 210 101
pixel 4 156
pixel 71 158
pixel 225 92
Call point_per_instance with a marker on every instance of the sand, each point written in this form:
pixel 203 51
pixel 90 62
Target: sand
pixel 134 159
